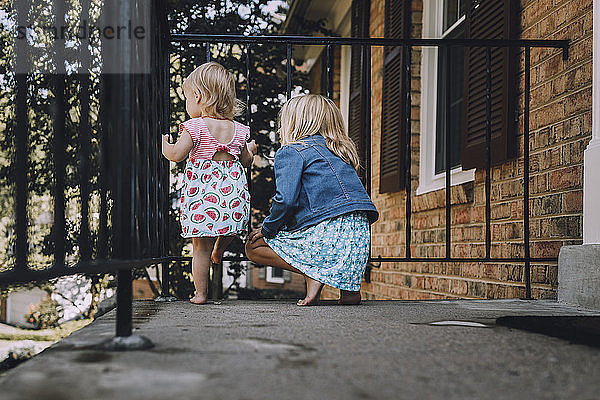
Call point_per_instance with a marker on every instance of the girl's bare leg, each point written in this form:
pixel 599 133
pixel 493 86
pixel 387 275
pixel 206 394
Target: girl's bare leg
pixel 260 253
pixel 202 248
pixel 313 292
pixel 220 246
pixel 349 298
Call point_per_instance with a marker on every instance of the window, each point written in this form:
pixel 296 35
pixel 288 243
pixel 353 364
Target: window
pixel 453 85
pixel 360 12
pixel 450 87
pixel 442 19
pixel 275 275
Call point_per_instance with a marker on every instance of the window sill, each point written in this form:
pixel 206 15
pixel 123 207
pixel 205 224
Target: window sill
pixel 273 279
pixel 457 177
pixel 461 193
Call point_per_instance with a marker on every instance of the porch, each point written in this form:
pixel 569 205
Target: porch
pixel 263 350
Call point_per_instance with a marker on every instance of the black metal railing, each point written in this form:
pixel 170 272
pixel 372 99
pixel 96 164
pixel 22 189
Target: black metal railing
pixel 134 178
pixel 408 45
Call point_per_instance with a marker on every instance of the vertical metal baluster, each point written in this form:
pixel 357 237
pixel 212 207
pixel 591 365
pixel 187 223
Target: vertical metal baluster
pixel 84 156
pixel 329 56
pixel 367 65
pixel 104 115
pixel 21 134
pixel 289 71
pixel 58 126
pixel 125 162
pixel 208 55
pixel 448 152
pixel 84 143
pixel 488 160
pixel 249 123
pixel 146 170
pixel 154 157
pixel 526 174
pixel 164 182
pixel 408 161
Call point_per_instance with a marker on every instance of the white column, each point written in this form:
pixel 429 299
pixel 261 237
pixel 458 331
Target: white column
pixel 591 163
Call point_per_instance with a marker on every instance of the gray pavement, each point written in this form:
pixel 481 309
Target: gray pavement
pixel 275 350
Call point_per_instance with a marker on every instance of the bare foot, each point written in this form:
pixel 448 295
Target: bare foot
pixel 313 292
pixel 349 298
pixel 198 299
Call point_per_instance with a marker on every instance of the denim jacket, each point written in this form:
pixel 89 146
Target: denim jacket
pixel 312 185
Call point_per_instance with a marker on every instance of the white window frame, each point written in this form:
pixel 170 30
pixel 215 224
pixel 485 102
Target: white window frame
pixel 273 279
pixel 429 181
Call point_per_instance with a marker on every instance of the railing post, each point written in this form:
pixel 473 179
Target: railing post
pixel 488 162
pixel 448 163
pixel 526 174
pixel 165 284
pixel 122 135
pixel 407 161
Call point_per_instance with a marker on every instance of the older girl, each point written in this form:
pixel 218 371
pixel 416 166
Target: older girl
pixel 320 215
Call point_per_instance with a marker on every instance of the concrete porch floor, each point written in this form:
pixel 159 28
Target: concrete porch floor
pixel 275 350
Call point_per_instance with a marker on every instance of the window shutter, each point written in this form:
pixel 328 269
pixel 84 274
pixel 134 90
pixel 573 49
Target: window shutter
pixel 357 106
pixel 393 121
pixel 489 19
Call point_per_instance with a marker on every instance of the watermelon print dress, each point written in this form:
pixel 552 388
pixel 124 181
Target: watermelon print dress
pixel 214 199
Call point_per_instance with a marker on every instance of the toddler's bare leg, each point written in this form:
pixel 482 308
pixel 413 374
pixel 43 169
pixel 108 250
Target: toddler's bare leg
pixel 349 298
pixel 202 248
pixel 220 247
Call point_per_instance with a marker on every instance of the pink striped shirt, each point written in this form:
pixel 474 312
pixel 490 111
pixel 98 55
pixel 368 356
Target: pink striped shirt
pixel 206 145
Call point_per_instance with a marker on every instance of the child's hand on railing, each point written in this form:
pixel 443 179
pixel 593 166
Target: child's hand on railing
pixel 252 147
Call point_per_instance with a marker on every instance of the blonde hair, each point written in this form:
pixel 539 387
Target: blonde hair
pixel 216 87
pixel 310 114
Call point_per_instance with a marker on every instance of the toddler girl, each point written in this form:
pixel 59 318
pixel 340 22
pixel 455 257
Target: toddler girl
pixel 320 215
pixel 214 204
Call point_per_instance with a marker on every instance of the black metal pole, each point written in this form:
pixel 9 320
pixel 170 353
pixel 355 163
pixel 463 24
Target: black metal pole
pixel 447 124
pixel 288 65
pixel 163 181
pixel 407 115
pixel 328 56
pixel 488 139
pixel 124 303
pixel 322 41
pixel 526 174
pixel 21 133
pixel 366 62
pixel 249 123
pixel 59 122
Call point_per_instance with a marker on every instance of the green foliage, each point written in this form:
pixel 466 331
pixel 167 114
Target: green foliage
pixel 267 84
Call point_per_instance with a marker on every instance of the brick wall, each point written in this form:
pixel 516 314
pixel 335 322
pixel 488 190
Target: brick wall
pixel 560 128
pixel 296 283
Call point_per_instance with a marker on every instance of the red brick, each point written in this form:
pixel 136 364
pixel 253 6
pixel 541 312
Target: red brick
pixel 565 178
pixel 573 201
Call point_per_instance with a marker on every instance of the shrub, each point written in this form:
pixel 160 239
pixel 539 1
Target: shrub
pixel 44 315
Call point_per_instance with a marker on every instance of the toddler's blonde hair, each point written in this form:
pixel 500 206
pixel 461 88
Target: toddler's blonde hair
pixel 216 87
pixel 310 114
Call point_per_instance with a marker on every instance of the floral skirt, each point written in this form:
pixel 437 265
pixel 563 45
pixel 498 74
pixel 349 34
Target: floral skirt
pixel 333 252
pixel 215 200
